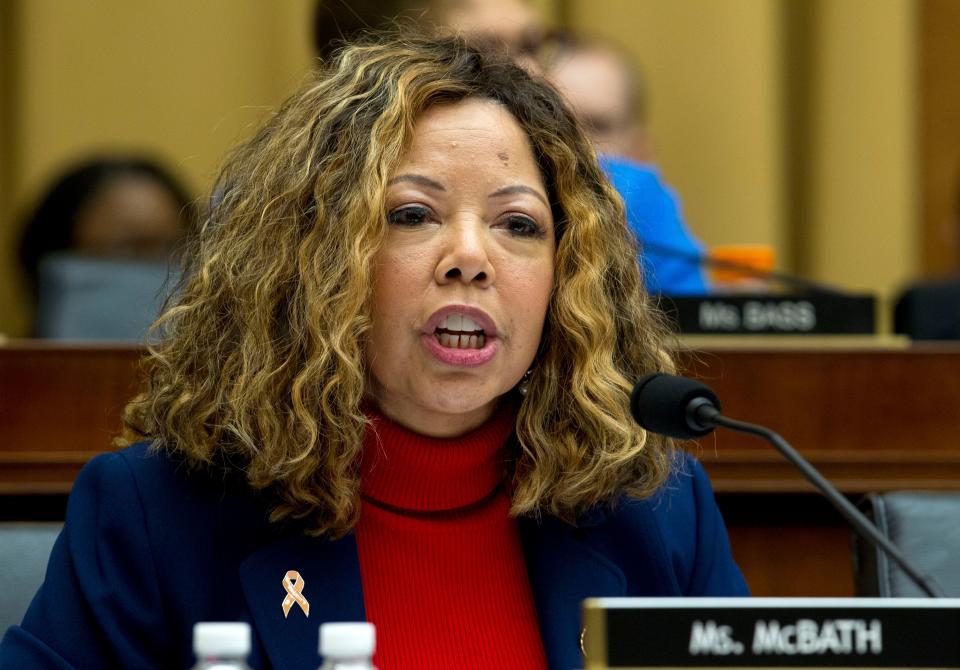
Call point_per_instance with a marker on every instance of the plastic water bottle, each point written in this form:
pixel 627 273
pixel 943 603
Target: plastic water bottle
pixel 347 646
pixel 221 646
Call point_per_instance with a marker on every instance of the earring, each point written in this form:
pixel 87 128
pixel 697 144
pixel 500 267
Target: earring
pixel 524 386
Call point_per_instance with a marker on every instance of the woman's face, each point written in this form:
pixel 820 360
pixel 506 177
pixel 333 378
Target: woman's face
pixel 462 284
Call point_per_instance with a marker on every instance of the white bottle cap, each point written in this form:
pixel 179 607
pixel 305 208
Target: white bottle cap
pixel 221 639
pixel 347 640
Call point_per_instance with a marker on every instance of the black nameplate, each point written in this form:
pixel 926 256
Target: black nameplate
pixel 818 314
pixel 772 632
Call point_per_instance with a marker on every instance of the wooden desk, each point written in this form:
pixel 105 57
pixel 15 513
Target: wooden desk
pixel 60 405
pixel 868 419
pixel 871 419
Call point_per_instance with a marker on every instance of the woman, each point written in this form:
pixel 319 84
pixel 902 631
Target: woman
pixel 394 387
pixel 111 222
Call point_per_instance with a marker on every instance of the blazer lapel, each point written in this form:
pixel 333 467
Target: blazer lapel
pixel 563 572
pixel 330 573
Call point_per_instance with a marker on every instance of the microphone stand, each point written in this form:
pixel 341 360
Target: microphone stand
pixel 702 414
pixel 707 260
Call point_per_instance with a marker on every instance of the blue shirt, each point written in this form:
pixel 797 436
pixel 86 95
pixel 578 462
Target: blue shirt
pixel 670 260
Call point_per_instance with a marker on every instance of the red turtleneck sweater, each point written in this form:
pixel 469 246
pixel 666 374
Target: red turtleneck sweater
pixel 444 576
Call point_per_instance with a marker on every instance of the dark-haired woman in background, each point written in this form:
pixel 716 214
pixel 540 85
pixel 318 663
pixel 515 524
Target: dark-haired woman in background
pixel 394 384
pixel 100 230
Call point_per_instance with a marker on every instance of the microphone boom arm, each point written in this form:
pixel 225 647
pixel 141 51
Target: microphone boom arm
pixel 706 414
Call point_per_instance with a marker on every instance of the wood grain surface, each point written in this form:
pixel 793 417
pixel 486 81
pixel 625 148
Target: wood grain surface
pixel 871 419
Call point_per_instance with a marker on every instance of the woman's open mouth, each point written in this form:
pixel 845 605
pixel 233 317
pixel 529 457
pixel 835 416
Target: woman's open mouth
pixel 461 335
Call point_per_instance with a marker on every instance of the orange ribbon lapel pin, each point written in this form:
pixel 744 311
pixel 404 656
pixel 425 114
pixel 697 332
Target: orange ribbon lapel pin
pixel 293 584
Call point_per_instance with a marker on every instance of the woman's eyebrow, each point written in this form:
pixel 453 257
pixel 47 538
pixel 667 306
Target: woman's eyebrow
pixel 519 188
pixel 418 179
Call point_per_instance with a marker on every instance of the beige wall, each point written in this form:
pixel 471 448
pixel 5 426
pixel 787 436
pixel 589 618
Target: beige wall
pixel 832 185
pixel 10 311
pixel 713 74
pixel 181 80
pixel 864 226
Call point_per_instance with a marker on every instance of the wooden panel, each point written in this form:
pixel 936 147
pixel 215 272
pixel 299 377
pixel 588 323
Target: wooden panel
pixel 872 419
pixel 789 545
pixel 59 406
pixel 802 560
pixel 869 419
pixel 939 134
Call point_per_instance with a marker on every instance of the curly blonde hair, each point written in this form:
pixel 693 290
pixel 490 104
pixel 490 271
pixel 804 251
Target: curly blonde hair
pixel 258 362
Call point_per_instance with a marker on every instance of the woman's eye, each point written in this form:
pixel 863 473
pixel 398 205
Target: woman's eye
pixel 408 216
pixel 523 226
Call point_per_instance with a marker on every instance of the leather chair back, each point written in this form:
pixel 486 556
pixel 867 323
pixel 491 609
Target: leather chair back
pixel 925 526
pixel 82 298
pixel 24 550
pixel 929 310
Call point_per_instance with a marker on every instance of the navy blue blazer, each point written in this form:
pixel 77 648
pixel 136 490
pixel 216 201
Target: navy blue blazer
pixel 148 550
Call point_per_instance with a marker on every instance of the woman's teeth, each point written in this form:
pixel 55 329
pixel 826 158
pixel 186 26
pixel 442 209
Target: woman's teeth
pixel 461 340
pixel 459 323
pixel 458 331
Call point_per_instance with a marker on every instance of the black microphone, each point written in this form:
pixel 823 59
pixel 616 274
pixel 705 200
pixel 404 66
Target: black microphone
pixel 686 409
pixel 667 404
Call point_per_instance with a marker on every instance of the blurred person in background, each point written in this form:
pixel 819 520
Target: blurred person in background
pixel 608 94
pixel 96 248
pixel 671 255
pixel 509 24
pixel 615 121
pixel 338 21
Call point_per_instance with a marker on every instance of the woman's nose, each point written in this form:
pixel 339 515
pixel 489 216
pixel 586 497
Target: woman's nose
pixel 465 257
